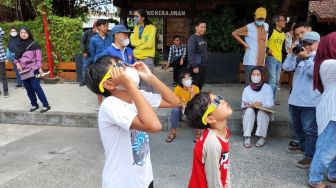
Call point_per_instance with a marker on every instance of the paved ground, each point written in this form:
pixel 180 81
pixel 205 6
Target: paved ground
pixel 42 156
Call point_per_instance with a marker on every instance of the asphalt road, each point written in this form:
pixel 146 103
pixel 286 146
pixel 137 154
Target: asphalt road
pixel 42 156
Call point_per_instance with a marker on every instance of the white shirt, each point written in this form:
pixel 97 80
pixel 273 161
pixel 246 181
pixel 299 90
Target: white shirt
pixel 127 155
pixel 265 96
pixel 326 108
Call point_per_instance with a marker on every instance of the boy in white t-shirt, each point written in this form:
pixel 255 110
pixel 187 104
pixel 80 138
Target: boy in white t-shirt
pixel 125 117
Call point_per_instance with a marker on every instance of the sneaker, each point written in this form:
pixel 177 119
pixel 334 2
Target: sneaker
pixel 18 86
pixel 276 102
pixel 304 163
pixel 261 142
pixel 295 150
pixel 294 143
pixel 174 84
pixel 81 84
pixel 45 109
pixel 33 108
pixel 247 142
pixel 6 94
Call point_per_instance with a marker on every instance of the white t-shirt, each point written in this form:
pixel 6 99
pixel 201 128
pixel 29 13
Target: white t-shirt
pixel 127 155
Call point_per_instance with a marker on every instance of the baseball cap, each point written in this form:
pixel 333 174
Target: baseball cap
pixel 311 37
pixel 260 13
pixel 120 29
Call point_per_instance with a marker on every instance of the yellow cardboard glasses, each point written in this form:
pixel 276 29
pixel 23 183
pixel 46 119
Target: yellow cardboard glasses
pixel 211 108
pixel 108 74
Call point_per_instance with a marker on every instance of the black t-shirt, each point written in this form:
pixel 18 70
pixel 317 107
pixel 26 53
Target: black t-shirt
pixel 197 48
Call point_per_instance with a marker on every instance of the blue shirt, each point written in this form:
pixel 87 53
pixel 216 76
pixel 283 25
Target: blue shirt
pixel 98 45
pixel 125 54
pixel 302 93
pixel 141 29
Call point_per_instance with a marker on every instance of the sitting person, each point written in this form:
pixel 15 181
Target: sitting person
pixel 257 94
pixel 185 91
pixel 176 58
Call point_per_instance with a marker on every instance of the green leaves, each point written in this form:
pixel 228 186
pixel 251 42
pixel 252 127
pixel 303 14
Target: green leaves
pixel 65 35
pixel 219 28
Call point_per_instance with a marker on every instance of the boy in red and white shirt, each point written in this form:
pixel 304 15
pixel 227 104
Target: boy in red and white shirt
pixel 211 153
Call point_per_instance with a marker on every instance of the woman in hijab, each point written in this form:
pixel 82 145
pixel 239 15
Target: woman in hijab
pixel 257 94
pixel 28 59
pixel 325 81
pixel 10 53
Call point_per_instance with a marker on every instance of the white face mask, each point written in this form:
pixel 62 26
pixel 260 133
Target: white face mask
pixel 134 76
pixel 187 82
pixel 125 42
pixel 255 79
pixel 13 34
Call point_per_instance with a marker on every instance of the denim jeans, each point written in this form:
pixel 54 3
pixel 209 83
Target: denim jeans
pixel 175 117
pixel 86 62
pixel 274 70
pixel 305 127
pixel 34 88
pixel 325 155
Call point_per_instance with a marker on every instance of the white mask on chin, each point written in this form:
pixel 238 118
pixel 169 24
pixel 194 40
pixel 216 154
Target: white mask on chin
pixel 133 74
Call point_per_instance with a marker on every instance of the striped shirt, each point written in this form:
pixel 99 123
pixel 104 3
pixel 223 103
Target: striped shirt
pixel 326 108
pixel 176 51
pixel 2 50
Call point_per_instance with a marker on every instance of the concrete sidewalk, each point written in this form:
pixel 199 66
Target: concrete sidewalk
pixel 72 105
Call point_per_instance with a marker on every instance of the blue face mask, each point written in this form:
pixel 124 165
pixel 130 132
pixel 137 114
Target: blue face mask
pixel 136 20
pixel 259 23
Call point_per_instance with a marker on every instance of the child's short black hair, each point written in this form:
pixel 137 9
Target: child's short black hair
pixel 199 21
pixel 196 108
pixel 180 78
pixel 176 36
pixel 96 72
pixel 101 22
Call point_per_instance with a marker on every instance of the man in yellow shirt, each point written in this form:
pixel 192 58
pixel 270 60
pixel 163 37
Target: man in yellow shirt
pixel 143 41
pixel 275 46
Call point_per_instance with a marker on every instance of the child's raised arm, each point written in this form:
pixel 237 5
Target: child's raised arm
pixel 169 99
pixel 146 120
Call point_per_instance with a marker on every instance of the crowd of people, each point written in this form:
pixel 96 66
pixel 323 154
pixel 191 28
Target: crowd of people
pixel 118 65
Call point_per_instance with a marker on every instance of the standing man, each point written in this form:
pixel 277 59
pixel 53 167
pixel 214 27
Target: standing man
pixel 198 54
pixel 275 47
pixel 303 98
pixel 99 43
pixel 119 47
pixel 255 35
pixel 2 64
pixel 87 57
pixel 176 58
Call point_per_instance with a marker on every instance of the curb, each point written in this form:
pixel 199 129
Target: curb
pixel 278 128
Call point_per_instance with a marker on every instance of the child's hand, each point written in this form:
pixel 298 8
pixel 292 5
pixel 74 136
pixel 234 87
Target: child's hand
pixel 143 70
pixel 120 77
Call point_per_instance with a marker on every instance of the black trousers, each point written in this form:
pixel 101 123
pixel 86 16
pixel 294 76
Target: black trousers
pixel 177 68
pixel 3 76
pixel 198 78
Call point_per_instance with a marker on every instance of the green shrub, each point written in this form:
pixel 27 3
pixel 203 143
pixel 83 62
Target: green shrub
pixel 219 28
pixel 64 33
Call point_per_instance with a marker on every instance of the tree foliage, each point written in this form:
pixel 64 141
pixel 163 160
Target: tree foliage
pixel 65 35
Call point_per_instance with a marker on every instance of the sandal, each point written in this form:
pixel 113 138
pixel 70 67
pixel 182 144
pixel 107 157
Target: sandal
pixel 170 137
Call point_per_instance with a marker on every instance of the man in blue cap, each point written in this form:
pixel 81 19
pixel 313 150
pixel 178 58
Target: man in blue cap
pixel 119 47
pixel 303 99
